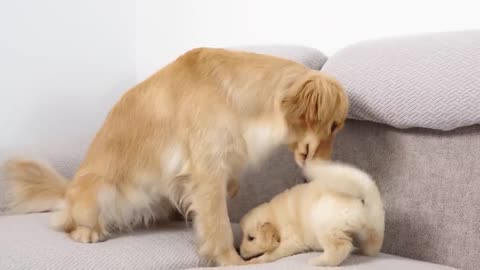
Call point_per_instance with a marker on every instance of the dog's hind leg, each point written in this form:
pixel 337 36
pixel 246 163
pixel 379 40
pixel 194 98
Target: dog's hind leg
pixel 336 245
pixel 84 224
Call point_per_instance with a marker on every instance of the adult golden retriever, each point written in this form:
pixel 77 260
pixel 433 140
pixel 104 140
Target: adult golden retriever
pixel 179 140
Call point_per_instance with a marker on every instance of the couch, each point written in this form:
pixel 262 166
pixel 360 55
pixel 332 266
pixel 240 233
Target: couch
pixel 414 125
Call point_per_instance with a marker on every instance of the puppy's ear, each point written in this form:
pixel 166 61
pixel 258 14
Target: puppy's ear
pixel 270 233
pixel 315 98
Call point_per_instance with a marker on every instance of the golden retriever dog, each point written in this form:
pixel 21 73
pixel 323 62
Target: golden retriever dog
pixel 178 142
pixel 340 207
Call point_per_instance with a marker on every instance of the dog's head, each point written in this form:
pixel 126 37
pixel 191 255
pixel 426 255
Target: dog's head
pixel 259 235
pixel 315 109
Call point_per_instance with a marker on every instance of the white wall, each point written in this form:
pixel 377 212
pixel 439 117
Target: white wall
pixel 165 29
pixel 62 65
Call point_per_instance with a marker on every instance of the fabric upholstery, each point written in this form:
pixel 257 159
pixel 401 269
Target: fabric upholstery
pixel 382 262
pixel 430 182
pixel 430 81
pixel 307 56
pixel 27 243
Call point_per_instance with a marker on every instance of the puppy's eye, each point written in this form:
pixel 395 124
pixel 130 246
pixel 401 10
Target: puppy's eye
pixel 250 238
pixel 333 127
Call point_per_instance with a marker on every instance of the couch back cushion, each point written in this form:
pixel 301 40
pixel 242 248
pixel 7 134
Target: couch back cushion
pixel 429 81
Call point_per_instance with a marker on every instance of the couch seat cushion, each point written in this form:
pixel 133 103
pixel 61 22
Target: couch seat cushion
pixel 28 243
pixel 429 81
pixel 354 262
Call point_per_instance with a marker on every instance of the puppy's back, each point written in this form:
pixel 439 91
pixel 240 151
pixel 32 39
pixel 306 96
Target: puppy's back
pixel 350 181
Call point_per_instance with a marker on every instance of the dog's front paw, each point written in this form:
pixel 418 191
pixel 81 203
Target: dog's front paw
pixel 322 260
pixel 86 235
pixel 230 257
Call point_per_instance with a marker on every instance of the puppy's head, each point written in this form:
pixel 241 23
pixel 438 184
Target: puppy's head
pixel 315 109
pixel 259 235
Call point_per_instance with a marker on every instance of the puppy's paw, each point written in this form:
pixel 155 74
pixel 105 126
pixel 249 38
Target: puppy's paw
pixel 257 260
pixel 86 235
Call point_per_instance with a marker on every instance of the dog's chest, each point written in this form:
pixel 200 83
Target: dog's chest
pixel 262 137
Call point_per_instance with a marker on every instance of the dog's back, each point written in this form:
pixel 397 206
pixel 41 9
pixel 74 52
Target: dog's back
pixel 354 190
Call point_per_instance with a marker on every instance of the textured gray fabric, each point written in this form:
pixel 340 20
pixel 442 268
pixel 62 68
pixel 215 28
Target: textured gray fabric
pixel 430 182
pixel 307 56
pixel 382 262
pixel 27 243
pixel 430 81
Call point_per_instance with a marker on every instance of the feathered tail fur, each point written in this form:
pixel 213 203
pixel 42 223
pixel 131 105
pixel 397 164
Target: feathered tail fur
pixel 354 182
pixel 33 187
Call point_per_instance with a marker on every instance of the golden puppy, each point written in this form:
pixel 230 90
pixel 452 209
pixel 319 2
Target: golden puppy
pixel 179 140
pixel 339 207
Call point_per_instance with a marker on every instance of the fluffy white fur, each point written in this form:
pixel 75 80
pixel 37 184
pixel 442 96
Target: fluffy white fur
pixel 340 207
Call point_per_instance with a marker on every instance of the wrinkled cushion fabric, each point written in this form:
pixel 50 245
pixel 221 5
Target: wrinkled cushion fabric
pixel 430 81
pixel 307 56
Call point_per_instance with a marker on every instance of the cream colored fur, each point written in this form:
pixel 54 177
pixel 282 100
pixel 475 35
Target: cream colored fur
pixel 340 207
pixel 178 142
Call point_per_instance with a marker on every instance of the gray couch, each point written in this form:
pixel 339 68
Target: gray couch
pixel 413 127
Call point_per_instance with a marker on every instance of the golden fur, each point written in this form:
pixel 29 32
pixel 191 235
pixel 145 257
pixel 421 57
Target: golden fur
pixel 179 140
pixel 339 207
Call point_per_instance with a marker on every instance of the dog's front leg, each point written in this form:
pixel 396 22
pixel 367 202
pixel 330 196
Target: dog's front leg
pixel 211 218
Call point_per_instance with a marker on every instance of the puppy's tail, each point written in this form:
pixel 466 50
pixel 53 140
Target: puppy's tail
pixel 34 187
pixel 356 183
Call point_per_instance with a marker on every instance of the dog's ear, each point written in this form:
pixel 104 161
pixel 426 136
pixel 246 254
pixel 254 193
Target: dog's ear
pixel 315 98
pixel 270 233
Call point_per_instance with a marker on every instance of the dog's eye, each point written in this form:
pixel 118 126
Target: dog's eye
pixel 250 238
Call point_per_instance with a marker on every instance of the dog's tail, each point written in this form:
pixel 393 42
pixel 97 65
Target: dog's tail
pixel 33 187
pixel 356 183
